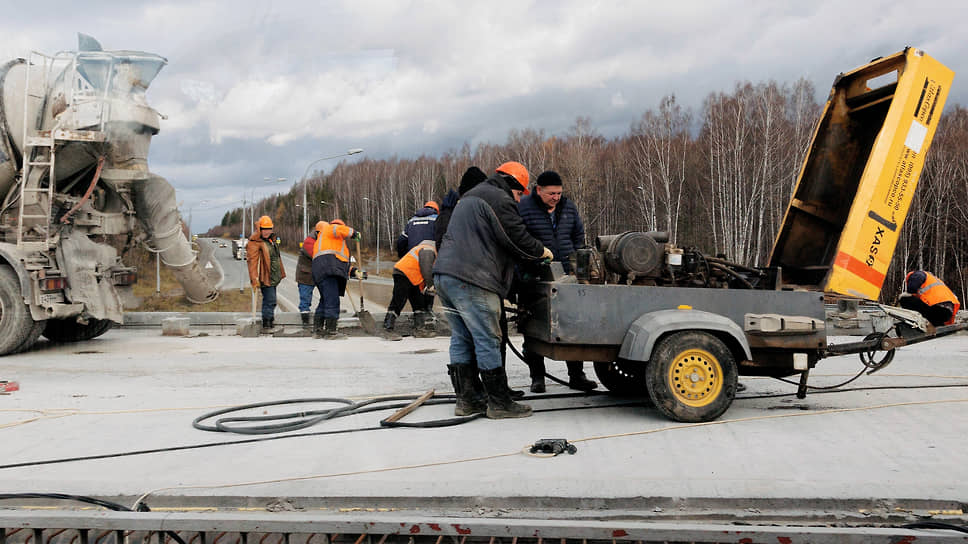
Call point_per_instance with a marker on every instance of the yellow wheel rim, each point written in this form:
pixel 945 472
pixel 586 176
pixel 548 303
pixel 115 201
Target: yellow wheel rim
pixel 696 377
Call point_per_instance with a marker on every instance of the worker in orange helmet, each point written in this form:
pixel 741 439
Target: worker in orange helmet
pixel 265 269
pixel 331 267
pixel 485 239
pixel 930 297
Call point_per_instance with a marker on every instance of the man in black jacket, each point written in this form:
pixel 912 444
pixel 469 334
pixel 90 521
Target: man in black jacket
pixel 554 221
pixel 473 274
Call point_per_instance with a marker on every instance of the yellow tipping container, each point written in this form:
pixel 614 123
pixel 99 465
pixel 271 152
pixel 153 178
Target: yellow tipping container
pixel 859 177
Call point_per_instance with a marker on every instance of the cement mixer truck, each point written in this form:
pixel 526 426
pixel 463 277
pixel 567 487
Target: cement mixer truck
pixel 77 193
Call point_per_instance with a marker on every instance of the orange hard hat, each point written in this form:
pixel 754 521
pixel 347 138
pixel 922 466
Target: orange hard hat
pixel 517 171
pixel 320 226
pixel 338 222
pixel 265 222
pixel 432 204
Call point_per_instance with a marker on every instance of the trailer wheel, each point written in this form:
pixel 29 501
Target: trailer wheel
pixel 623 377
pixel 15 321
pixel 69 330
pixel 692 376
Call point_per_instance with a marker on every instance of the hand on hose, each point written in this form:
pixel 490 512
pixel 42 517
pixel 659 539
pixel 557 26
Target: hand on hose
pixel 547 256
pixel 357 235
pixel 430 291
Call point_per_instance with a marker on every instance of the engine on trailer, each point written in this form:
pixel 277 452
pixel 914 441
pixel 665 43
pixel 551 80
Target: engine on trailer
pixel 647 258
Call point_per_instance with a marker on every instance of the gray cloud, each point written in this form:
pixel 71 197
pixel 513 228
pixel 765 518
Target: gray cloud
pixel 256 89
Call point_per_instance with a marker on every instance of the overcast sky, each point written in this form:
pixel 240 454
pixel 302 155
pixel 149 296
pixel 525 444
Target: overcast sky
pixel 259 89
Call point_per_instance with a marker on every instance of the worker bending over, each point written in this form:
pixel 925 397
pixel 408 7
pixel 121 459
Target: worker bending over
pixel 473 273
pixel 412 280
pixel 930 297
pixel 331 267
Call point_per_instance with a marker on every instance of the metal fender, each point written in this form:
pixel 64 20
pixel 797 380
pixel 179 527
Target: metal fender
pixel 644 331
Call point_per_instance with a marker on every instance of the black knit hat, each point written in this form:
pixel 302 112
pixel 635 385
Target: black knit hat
pixel 548 177
pixel 470 179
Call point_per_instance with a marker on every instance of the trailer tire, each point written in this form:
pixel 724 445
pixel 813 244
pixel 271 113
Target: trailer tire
pixel 623 377
pixel 691 376
pixel 69 330
pixel 15 321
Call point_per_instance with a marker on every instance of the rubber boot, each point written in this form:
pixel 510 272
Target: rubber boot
pixel 469 390
pixel 499 402
pixel 305 320
pixel 537 367
pixel 423 325
pixel 389 321
pixel 577 379
pixel 317 326
pixel 265 326
pixel 330 331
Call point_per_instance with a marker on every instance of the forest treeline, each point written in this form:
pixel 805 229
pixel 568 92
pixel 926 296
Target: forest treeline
pixel 718 179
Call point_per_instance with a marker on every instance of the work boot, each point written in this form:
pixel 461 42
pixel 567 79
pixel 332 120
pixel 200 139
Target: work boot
pixel 423 325
pixel 469 390
pixel 317 326
pixel 265 326
pixel 499 402
pixel 536 366
pixel 330 332
pixel 389 321
pixel 305 320
pixel 577 379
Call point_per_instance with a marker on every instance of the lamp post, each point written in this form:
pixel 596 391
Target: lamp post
pixel 377 233
pixel 353 151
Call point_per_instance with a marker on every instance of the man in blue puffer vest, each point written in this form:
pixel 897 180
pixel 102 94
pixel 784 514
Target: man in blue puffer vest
pixel 554 221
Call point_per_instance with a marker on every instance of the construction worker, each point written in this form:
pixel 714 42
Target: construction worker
pixel 412 278
pixel 929 296
pixel 265 269
pixel 304 278
pixel 468 181
pixel 421 227
pixel 554 220
pixel 331 266
pixel 473 274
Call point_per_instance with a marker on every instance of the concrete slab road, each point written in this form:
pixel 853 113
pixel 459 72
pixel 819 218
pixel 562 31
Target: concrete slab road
pixel 894 442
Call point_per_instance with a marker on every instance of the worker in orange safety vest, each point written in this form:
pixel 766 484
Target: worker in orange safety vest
pixel 331 267
pixel 413 280
pixel 930 297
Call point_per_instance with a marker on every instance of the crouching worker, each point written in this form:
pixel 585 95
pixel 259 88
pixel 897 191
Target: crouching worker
pixel 331 267
pixel 473 274
pixel 412 280
pixel 930 297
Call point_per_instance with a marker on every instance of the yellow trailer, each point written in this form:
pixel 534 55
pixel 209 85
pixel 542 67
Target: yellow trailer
pixel 857 182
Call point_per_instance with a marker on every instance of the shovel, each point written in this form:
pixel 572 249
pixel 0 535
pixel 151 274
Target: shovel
pixel 366 320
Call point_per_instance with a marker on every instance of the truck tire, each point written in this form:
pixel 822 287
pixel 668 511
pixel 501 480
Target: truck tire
pixel 15 321
pixel 623 377
pixel 691 376
pixel 32 336
pixel 69 330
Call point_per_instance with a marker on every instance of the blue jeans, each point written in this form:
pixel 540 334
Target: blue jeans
pixel 328 306
pixel 268 302
pixel 305 297
pixel 474 316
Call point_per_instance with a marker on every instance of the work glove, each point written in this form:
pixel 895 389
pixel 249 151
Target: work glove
pixel 430 291
pixel 547 256
pixel 357 235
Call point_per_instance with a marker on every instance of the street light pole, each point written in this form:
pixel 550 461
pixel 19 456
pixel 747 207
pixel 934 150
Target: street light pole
pixel 305 222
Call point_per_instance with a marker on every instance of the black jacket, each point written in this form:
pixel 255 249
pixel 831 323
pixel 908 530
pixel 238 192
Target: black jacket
pixel 420 227
pixel 485 237
pixel 561 231
pixel 443 219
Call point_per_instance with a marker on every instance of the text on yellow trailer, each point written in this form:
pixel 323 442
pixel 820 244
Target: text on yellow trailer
pixel 857 181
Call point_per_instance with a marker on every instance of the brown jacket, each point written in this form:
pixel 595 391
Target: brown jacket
pixel 257 256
